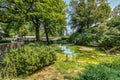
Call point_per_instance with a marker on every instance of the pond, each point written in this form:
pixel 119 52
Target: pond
pixel 68 52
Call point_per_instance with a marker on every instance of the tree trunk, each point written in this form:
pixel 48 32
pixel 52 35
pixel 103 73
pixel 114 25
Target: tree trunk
pixel 37 33
pixel 47 37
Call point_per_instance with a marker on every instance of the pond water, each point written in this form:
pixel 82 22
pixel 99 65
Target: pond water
pixel 67 50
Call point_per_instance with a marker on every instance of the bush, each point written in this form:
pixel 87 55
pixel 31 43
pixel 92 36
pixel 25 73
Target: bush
pixel 0 37
pixel 87 38
pixel 5 41
pixel 99 72
pixel 26 60
pixel 72 37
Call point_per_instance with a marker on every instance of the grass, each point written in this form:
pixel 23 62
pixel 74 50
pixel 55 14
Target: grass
pixel 86 56
pixel 93 54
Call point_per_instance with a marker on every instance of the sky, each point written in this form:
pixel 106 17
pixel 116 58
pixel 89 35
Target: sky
pixel 113 4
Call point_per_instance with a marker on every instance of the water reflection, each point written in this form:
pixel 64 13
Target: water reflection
pixel 67 50
pixel 69 53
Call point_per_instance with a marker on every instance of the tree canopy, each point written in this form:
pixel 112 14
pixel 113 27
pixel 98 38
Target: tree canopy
pixel 87 13
pixel 49 14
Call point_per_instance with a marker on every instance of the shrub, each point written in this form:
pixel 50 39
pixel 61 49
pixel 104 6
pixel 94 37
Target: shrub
pixel 87 38
pixel 0 37
pixel 5 41
pixel 73 37
pixel 26 60
pixel 98 72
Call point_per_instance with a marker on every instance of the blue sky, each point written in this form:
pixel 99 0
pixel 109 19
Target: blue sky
pixel 113 4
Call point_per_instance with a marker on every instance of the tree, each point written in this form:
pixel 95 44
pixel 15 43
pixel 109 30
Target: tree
pixel 42 13
pixel 53 18
pixel 14 14
pixel 102 12
pixel 116 11
pixel 88 13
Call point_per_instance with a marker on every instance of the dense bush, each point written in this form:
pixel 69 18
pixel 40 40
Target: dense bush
pixel 0 37
pixel 72 37
pixel 87 38
pixel 99 72
pixel 26 60
pixel 5 41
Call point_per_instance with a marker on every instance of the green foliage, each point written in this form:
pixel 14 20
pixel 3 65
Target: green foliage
pixel 105 35
pixel 72 37
pixel 87 38
pixel 114 64
pixel 49 16
pixel 114 22
pixel 110 38
pixel 102 12
pixel 98 72
pixel 86 13
pixel 5 41
pixel 26 60
pixel 116 11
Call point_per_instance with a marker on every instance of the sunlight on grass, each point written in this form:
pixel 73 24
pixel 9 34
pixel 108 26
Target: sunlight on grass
pixel 85 56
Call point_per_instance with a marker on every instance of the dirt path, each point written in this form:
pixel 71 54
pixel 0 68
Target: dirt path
pixel 48 73
pixel 83 48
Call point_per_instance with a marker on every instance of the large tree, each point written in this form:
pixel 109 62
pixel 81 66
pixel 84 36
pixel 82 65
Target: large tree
pixel 53 19
pixel 16 13
pixel 86 13
pixel 49 14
